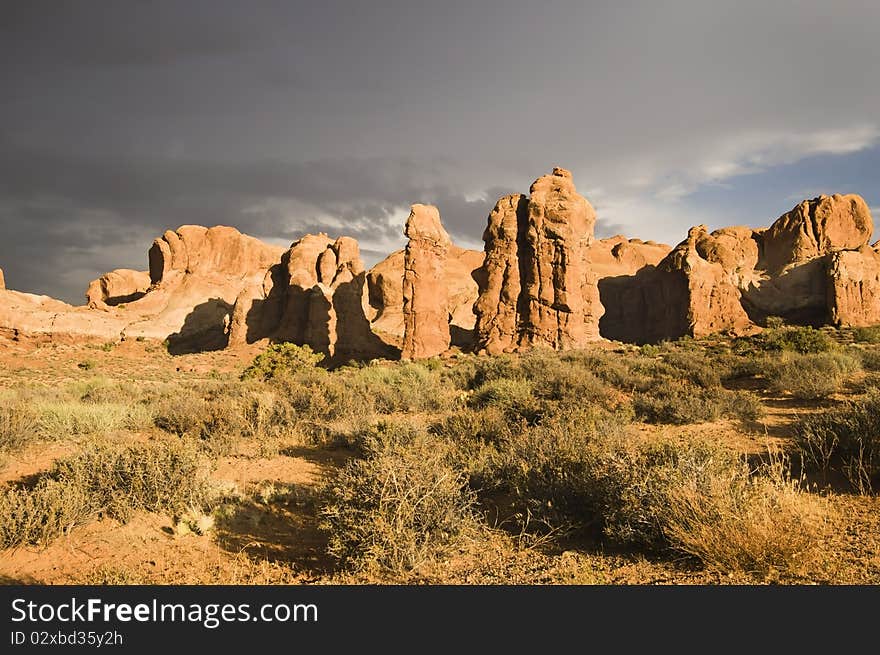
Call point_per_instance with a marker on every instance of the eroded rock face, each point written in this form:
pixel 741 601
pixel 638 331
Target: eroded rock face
pixel 196 274
pixel 539 287
pixel 117 287
pixel 812 266
pixel 425 294
pixel 313 296
pixel 218 251
pixel 560 307
pixel 2 280
pixel 686 293
pixel 497 306
pixel 815 228
pixel 854 287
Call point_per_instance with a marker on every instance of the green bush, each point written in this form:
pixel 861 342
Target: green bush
pixel 803 340
pixel 282 359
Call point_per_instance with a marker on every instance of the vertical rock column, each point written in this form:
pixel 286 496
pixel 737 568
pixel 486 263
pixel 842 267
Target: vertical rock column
pixel 559 305
pixel 496 306
pixel 425 293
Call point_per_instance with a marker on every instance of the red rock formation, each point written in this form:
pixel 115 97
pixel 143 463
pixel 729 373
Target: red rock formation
pixel 854 287
pixel 496 309
pixel 117 287
pixel 539 289
pixel 425 294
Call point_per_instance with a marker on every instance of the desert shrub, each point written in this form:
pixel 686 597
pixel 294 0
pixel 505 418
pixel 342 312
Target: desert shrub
pixel 570 384
pixel 803 340
pixel 102 480
pixel 282 359
pixel 695 497
pixel 869 357
pixel 103 390
pixel 514 397
pixel 682 403
pixel 39 515
pixel 18 425
pixel 811 377
pixel 397 506
pixel 737 367
pixel 867 334
pixel 182 412
pixel 696 367
pixel 119 481
pixel 608 367
pixel 470 426
pixel 548 469
pixel 402 387
pixel 847 439
pixel 222 415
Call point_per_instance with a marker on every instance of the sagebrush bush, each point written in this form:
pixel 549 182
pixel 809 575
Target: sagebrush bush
pixel 811 377
pixel 397 506
pixel 846 439
pixel 282 359
pixel 867 334
pixel 696 498
pixel 515 397
pixel 102 480
pixel 118 481
pixel 398 387
pixel 39 515
pixel 803 340
pixel 682 403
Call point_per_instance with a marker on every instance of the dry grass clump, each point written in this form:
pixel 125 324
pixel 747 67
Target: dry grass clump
pixel 739 521
pixel 19 425
pixel 845 439
pixel 867 334
pixel 813 376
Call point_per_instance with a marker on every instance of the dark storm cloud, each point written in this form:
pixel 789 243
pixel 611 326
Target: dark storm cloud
pixel 122 118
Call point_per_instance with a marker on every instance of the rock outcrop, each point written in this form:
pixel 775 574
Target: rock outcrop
pixel 314 296
pixel 497 306
pixel 196 274
pixel 2 280
pixel 854 287
pixel 425 294
pixel 543 280
pixel 812 266
pixel 117 287
pixel 538 253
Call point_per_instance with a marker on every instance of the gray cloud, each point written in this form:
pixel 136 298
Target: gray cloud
pixel 121 118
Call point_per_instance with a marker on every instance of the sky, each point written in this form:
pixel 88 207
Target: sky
pixel 120 119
